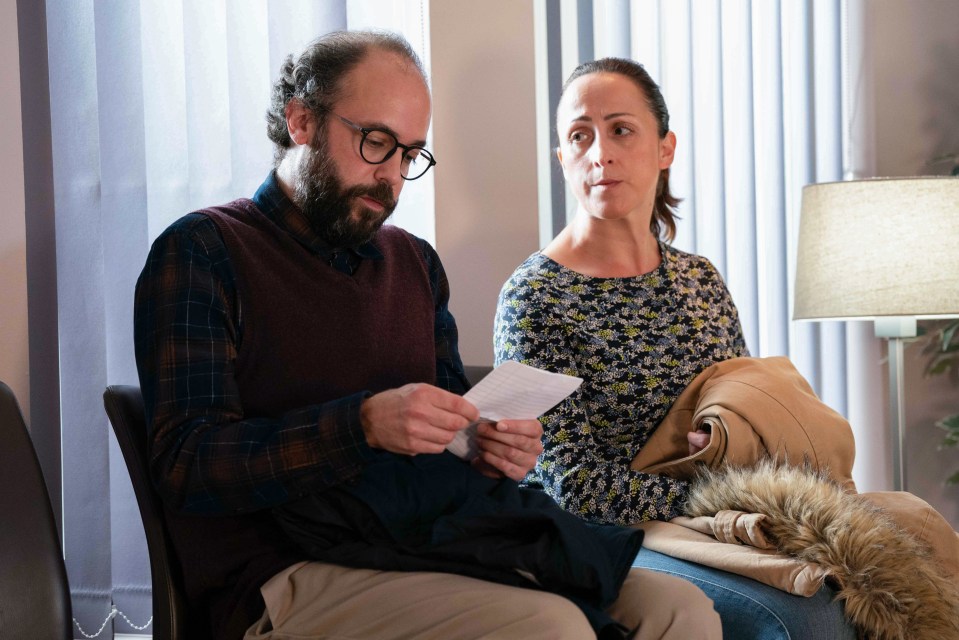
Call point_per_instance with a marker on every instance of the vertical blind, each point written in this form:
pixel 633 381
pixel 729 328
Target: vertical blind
pixel 157 109
pixel 760 101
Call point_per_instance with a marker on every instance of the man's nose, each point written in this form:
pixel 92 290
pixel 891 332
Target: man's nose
pixel 391 172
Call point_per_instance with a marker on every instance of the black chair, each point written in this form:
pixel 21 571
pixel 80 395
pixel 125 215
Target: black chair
pixel 34 592
pixel 124 406
pixel 475 373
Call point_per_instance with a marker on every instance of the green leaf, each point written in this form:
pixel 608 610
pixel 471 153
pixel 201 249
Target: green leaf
pixel 947 335
pixel 949 423
pixel 939 367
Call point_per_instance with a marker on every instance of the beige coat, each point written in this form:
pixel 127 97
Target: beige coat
pixel 778 488
pixel 753 408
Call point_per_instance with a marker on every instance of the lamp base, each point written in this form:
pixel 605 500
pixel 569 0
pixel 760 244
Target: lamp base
pixel 894 329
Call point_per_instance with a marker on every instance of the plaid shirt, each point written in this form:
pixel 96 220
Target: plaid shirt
pixel 206 456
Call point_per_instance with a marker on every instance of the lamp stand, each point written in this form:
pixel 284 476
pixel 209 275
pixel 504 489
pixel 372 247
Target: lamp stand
pixel 894 329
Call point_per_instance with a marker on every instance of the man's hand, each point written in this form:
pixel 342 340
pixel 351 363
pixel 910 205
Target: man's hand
pixel 416 418
pixel 508 447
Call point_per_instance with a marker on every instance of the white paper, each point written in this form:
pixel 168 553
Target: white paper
pixel 512 391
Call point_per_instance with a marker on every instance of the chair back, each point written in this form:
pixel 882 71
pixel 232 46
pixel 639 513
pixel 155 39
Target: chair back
pixel 124 407
pixel 475 373
pixel 34 592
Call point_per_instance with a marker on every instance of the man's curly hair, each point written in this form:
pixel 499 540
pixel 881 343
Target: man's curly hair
pixel 315 76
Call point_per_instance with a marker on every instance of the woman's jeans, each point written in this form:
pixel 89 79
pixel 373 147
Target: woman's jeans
pixel 751 610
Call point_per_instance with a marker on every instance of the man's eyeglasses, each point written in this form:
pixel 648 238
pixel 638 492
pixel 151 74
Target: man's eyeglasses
pixel 377 146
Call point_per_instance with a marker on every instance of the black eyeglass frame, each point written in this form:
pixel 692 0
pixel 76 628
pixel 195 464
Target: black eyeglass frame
pixel 366 131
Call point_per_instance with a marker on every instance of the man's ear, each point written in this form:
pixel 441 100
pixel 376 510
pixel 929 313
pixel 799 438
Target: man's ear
pixel 559 156
pixel 300 122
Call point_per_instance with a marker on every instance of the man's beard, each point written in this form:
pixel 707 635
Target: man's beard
pixel 329 206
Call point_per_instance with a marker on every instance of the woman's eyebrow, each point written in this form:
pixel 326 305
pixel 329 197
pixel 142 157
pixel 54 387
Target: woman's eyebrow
pixel 608 116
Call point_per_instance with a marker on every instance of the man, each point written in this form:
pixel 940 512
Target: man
pixel 283 341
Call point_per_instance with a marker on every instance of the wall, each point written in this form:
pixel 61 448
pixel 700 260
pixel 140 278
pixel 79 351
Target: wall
pixel 916 64
pixel 484 129
pixel 916 57
pixel 14 365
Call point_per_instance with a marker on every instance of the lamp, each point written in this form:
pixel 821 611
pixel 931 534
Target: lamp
pixel 882 249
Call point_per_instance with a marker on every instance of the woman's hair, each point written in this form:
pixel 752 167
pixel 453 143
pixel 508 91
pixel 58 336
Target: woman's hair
pixel 663 222
pixel 315 76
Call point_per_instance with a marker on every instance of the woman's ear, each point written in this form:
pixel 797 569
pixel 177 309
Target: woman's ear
pixel 559 156
pixel 300 122
pixel 667 150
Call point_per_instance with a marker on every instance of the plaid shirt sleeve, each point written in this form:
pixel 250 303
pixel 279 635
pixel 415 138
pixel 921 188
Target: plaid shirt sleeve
pixel 206 457
pixel 449 365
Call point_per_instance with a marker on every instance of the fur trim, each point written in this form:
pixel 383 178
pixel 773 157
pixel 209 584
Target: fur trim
pixel 890 586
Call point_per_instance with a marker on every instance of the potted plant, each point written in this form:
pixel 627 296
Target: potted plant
pixel 949 157
pixel 942 349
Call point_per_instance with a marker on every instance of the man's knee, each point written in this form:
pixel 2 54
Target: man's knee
pixel 663 606
pixel 546 615
pixel 692 612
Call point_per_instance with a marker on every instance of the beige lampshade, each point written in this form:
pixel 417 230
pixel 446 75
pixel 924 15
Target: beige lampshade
pixel 878 247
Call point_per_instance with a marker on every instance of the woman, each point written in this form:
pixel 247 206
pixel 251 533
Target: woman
pixel 610 301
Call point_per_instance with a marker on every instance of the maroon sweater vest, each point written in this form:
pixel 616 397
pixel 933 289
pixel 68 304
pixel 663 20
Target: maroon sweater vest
pixel 310 334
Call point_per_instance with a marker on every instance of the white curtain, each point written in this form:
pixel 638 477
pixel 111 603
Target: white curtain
pixel 760 95
pixel 157 108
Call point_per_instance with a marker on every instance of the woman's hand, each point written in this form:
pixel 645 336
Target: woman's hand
pixel 698 440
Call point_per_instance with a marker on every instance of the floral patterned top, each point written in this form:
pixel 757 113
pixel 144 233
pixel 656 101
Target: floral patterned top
pixel 636 342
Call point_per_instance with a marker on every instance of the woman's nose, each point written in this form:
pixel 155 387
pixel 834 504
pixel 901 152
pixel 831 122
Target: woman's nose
pixel 601 151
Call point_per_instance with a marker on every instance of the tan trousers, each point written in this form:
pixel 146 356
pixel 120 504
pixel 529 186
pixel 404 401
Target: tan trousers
pixel 315 600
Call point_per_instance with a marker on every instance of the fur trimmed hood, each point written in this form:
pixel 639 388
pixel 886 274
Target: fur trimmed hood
pixel 891 586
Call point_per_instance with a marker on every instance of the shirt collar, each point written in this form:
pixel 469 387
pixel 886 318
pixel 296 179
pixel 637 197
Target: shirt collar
pixel 274 204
